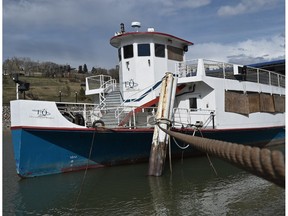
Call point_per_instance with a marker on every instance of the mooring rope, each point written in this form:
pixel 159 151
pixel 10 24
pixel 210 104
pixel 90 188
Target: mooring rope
pixel 264 163
pixel 86 169
pixel 170 156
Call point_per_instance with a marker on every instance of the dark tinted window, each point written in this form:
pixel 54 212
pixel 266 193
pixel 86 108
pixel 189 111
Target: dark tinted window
pixel 193 103
pixel 143 49
pixel 128 51
pixel 159 50
pixel 175 53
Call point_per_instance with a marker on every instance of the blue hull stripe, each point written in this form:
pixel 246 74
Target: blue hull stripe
pixel 47 151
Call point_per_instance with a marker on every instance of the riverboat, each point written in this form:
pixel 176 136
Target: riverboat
pixel 217 100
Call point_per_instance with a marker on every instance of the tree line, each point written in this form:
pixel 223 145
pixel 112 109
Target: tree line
pixel 27 67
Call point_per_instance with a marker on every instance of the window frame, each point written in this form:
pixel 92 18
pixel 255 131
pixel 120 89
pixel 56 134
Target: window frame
pixel 193 103
pixel 144 50
pixel 157 50
pixel 175 53
pixel 128 51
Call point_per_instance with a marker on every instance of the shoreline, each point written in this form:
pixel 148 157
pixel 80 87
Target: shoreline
pixel 6 118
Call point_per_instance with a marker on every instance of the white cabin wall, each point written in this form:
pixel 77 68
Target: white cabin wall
pixel 121 84
pixel 160 64
pixel 171 66
pixel 145 71
pixel 138 69
pixel 204 95
pixel 144 75
pixel 127 69
pixel 224 120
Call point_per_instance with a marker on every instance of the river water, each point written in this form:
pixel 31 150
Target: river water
pixel 193 188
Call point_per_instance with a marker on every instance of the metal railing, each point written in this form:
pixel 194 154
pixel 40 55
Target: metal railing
pixel 187 68
pixel 180 117
pixel 99 81
pixel 135 118
pixel 146 91
pixel 104 82
pixel 226 71
pixel 193 117
pixel 144 117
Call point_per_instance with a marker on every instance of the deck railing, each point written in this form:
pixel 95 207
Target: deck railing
pixel 99 81
pixel 103 82
pixel 140 95
pixel 228 71
pixel 193 117
pixel 181 117
pixel 141 119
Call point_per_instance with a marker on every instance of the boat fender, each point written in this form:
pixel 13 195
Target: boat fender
pixel 79 119
pixel 98 123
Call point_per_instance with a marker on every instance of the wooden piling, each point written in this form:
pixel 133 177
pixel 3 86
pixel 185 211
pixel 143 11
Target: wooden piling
pixel 160 139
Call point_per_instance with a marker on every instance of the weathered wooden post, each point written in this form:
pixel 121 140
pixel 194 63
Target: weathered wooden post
pixel 160 139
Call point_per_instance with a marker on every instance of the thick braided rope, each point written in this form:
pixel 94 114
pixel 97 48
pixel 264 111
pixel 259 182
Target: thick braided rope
pixel 264 163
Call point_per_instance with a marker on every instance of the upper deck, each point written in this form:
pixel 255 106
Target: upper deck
pixel 202 67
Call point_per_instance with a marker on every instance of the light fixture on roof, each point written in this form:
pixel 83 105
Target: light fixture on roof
pixel 122 28
pixel 136 25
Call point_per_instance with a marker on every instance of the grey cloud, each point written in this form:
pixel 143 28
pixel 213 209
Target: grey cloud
pixel 244 59
pixel 247 6
pixel 79 31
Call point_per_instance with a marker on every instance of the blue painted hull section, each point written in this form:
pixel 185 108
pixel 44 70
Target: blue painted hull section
pixel 49 151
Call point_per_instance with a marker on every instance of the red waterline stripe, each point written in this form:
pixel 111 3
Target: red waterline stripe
pixel 82 129
pixel 136 129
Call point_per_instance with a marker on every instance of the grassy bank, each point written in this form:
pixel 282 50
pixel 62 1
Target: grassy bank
pixel 43 88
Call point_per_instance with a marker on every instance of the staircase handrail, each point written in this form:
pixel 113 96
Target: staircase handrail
pixel 146 91
pixel 105 85
pixel 112 83
pixel 99 79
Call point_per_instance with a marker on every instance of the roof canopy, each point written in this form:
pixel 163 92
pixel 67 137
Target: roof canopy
pixel 116 40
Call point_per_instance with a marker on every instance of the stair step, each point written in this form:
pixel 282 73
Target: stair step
pixel 113 96
pixel 113 99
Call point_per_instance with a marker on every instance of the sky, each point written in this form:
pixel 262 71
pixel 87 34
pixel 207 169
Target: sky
pixel 78 32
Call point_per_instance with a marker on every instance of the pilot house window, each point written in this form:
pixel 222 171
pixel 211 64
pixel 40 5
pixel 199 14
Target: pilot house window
pixel 128 51
pixel 175 53
pixel 160 50
pixel 143 49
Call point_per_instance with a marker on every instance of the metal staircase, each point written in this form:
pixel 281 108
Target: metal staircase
pixel 112 101
pixel 113 98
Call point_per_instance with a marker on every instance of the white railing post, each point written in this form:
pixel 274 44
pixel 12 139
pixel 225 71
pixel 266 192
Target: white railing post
pixel 224 74
pixel 269 77
pixel 139 93
pixel 85 114
pixel 189 116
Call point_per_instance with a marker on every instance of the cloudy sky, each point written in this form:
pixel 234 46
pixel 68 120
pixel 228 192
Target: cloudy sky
pixel 78 31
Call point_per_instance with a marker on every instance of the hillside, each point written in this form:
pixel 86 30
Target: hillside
pixel 44 88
